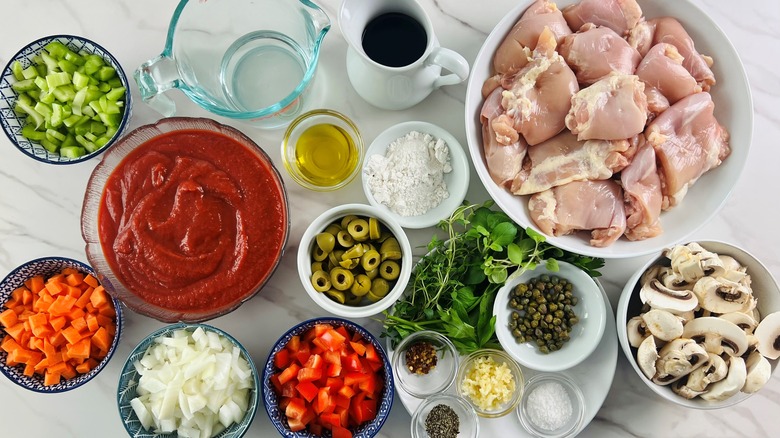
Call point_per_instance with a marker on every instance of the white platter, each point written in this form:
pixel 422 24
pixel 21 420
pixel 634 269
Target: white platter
pixel 594 375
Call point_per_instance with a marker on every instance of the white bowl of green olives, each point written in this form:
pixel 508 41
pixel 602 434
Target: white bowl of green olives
pixel 354 260
pixel 550 321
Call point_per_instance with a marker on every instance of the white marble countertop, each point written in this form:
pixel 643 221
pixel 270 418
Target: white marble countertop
pixel 40 207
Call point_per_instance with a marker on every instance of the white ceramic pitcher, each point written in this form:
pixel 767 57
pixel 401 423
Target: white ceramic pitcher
pixel 396 88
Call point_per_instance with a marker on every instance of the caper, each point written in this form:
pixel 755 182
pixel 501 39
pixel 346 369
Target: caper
pixel 341 278
pixel 326 241
pixel 320 280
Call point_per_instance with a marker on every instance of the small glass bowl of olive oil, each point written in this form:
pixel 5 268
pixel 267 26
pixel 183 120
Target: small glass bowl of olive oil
pixel 322 150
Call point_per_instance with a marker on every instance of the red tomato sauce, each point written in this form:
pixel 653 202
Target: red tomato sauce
pixel 193 221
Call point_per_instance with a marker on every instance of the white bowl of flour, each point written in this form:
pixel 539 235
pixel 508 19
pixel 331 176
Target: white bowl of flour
pixel 416 172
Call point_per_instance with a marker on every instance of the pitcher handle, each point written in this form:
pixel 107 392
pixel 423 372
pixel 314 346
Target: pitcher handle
pixel 155 77
pixel 452 61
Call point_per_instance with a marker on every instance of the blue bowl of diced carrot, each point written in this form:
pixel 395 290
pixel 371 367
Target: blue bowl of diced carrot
pixel 58 326
pixel 328 377
pixel 64 99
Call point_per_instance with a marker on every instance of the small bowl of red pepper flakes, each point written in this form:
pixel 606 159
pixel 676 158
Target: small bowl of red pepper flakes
pixel 425 363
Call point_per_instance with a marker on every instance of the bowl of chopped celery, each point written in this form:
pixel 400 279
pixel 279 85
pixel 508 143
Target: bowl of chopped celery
pixel 63 99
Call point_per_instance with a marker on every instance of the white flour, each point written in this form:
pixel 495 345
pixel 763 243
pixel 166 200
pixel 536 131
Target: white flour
pixel 409 179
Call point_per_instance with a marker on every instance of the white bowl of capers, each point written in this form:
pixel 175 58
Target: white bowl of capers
pixel 550 321
pixel 354 260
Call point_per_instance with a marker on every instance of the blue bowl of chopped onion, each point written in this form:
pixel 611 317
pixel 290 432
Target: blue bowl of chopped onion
pixel 188 380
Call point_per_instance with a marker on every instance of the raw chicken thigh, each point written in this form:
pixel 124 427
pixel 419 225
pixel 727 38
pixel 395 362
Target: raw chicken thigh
pixel 594 52
pixel 563 159
pixel 503 161
pixel 656 103
pixel 642 193
pixel 688 141
pixel 539 96
pixel 581 205
pixel 515 51
pixel 662 68
pixel 619 15
pixel 613 108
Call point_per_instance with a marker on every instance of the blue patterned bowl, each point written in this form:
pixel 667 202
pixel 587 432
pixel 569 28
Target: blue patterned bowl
pixel 47 267
pixel 128 385
pixel 271 399
pixel 12 123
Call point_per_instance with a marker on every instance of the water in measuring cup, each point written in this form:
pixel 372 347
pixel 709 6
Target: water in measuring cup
pixel 262 68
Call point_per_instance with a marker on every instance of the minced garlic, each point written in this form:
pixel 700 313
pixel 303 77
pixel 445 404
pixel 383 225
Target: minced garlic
pixel 488 384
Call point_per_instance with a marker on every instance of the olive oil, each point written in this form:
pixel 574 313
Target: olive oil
pixel 325 154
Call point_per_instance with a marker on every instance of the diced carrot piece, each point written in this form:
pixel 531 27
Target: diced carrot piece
pixel 40 366
pixel 67 271
pixel 57 339
pixel 76 313
pixel 92 323
pixel 104 321
pixel 51 378
pixel 27 297
pixel 54 288
pixel 58 323
pixel 101 339
pixel 8 318
pixel 51 352
pixel 71 334
pixel 29 370
pixel 36 343
pixel 75 278
pixel 16 330
pixel 69 372
pixel 36 284
pixel 9 344
pixel 39 325
pixel 91 281
pixel 108 311
pixel 73 291
pixel 62 305
pixel 79 324
pixel 84 298
pixel 59 278
pixel 43 302
pixel 80 350
pixel 99 298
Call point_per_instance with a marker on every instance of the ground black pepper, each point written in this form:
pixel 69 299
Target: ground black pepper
pixel 421 358
pixel 442 422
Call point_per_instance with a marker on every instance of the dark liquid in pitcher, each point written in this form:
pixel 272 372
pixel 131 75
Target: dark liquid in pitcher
pixel 394 39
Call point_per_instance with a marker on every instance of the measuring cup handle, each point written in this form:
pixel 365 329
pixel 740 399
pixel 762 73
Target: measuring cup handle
pixel 154 77
pixel 452 61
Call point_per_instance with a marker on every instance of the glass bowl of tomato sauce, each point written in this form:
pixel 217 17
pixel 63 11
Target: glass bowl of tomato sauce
pixel 185 219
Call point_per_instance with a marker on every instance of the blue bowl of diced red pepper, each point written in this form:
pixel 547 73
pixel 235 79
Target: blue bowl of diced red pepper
pixel 64 99
pixel 328 377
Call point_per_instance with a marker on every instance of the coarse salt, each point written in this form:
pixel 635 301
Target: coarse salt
pixel 409 178
pixel 549 406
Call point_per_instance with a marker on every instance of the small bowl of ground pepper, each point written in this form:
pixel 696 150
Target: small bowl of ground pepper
pixel 425 363
pixel 552 406
pixel 550 320
pixel 445 416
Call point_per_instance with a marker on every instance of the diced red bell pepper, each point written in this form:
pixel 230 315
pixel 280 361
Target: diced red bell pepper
pixel 333 339
pixel 319 329
pixel 307 390
pixel 296 408
pixel 341 400
pixel 295 425
pixel 323 401
pixel 289 373
pixel 309 374
pixel 347 391
pixel 371 353
pixel 334 383
pixel 282 359
pixel 294 344
pixel 331 419
pixel 354 378
pixel 341 432
pixel 275 382
pixel 352 363
pixel 288 389
pixel 358 347
pixel 343 331
pixel 314 362
pixel 303 353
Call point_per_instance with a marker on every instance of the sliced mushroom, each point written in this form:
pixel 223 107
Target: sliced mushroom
pixel 646 357
pixel 717 335
pixel 677 359
pixel 658 296
pixel 742 320
pixel 731 264
pixel 711 264
pixel 768 334
pixel 713 371
pixel 663 325
pixel 720 295
pixel 752 345
pixel 636 331
pixel 732 384
pixel 685 317
pixel 681 388
pixel 686 261
pixel 759 370
pixel 671 279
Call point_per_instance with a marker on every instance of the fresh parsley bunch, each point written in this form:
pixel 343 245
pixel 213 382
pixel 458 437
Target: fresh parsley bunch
pixel 453 287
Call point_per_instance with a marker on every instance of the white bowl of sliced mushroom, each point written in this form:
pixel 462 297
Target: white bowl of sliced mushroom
pixel 700 324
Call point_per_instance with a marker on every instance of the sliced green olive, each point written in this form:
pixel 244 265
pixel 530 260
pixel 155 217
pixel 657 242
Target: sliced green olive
pixel 384 235
pixel 355 251
pixel 345 239
pixel 347 219
pixel 390 249
pixel 333 228
pixel 370 260
pixel 361 286
pixel 336 295
pixel 318 254
pixel 335 257
pixel 317 266
pixel 379 288
pixel 352 300
pixel 358 229
pixel 374 230
pixel 320 280
pixel 372 274
pixel 389 270
pixel 341 278
pixel 350 263
pixel 326 241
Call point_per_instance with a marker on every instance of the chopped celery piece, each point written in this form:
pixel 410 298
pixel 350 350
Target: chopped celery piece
pixel 81 129
pixel 115 82
pixel 57 79
pixel 95 107
pixel 110 131
pixel 17 69
pixel 97 128
pixel 41 83
pixel 65 93
pixel 110 119
pixel 54 135
pixel 42 70
pixel 34 94
pixel 30 72
pixel 56 49
pixel 57 115
pixel 70 140
pixel 90 136
pixel 46 96
pixel 66 66
pixel 49 145
pixel 72 151
pixel 115 94
pixel 27 108
pixel 101 141
pixel 72 120
pixel 88 145
pixel 29 132
pixel 105 73
pixel 75 58
pixel 50 62
pixel 25 98
pixel 24 85
pixel 93 64
pixel 88 111
pixel 43 109
pixel 111 107
pixel 80 81
pixel 104 87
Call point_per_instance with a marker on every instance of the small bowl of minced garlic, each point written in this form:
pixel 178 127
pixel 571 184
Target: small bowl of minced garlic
pixel 417 172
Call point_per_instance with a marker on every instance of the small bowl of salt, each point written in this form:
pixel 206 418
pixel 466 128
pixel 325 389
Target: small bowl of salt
pixel 417 172
pixel 552 406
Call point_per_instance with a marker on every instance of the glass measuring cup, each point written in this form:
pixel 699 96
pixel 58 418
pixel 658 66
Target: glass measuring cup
pixel 252 60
